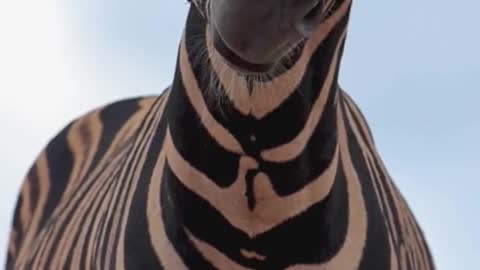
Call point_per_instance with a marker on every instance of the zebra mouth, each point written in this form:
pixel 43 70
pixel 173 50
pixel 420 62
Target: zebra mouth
pixel 237 62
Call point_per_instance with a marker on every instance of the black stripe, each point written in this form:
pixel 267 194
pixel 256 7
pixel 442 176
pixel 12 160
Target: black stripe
pixel 377 236
pixel 174 219
pixel 139 252
pixel 193 141
pixel 290 177
pixel 113 118
pixel 386 197
pixel 140 145
pixel 105 186
pixel 60 164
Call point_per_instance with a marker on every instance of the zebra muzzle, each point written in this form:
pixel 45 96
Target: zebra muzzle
pixel 254 35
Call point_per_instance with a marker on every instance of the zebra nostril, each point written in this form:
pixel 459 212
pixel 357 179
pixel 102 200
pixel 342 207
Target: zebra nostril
pixel 311 19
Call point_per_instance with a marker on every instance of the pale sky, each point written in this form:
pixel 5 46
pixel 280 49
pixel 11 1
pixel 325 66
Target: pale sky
pixel 411 65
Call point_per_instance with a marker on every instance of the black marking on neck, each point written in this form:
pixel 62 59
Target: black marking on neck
pixel 250 191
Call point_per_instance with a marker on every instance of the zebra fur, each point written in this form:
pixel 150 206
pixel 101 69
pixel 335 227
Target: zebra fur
pixel 221 171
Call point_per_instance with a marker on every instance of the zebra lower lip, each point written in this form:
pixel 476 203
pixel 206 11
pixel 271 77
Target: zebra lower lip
pixel 235 61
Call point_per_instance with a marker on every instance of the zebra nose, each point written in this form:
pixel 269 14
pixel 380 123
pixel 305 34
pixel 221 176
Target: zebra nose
pixel 306 15
pixel 255 34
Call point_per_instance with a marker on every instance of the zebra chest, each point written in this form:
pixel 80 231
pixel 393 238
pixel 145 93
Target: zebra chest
pixel 229 235
pixel 183 218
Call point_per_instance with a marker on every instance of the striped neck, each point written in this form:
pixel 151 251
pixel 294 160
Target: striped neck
pixel 251 156
pixel 271 112
pixel 290 120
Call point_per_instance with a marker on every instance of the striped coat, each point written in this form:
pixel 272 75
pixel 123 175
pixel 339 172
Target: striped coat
pixel 221 171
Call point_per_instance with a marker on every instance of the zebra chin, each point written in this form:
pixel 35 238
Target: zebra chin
pixel 282 62
pixel 236 61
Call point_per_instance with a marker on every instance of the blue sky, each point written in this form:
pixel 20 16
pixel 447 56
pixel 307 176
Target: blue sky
pixel 412 66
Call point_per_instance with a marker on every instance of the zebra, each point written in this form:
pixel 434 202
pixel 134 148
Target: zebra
pixel 253 158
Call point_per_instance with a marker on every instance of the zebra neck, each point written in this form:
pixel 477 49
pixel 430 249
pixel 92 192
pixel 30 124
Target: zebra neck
pixel 262 115
pixel 266 146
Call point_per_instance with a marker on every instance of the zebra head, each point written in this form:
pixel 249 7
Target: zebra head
pixel 253 36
